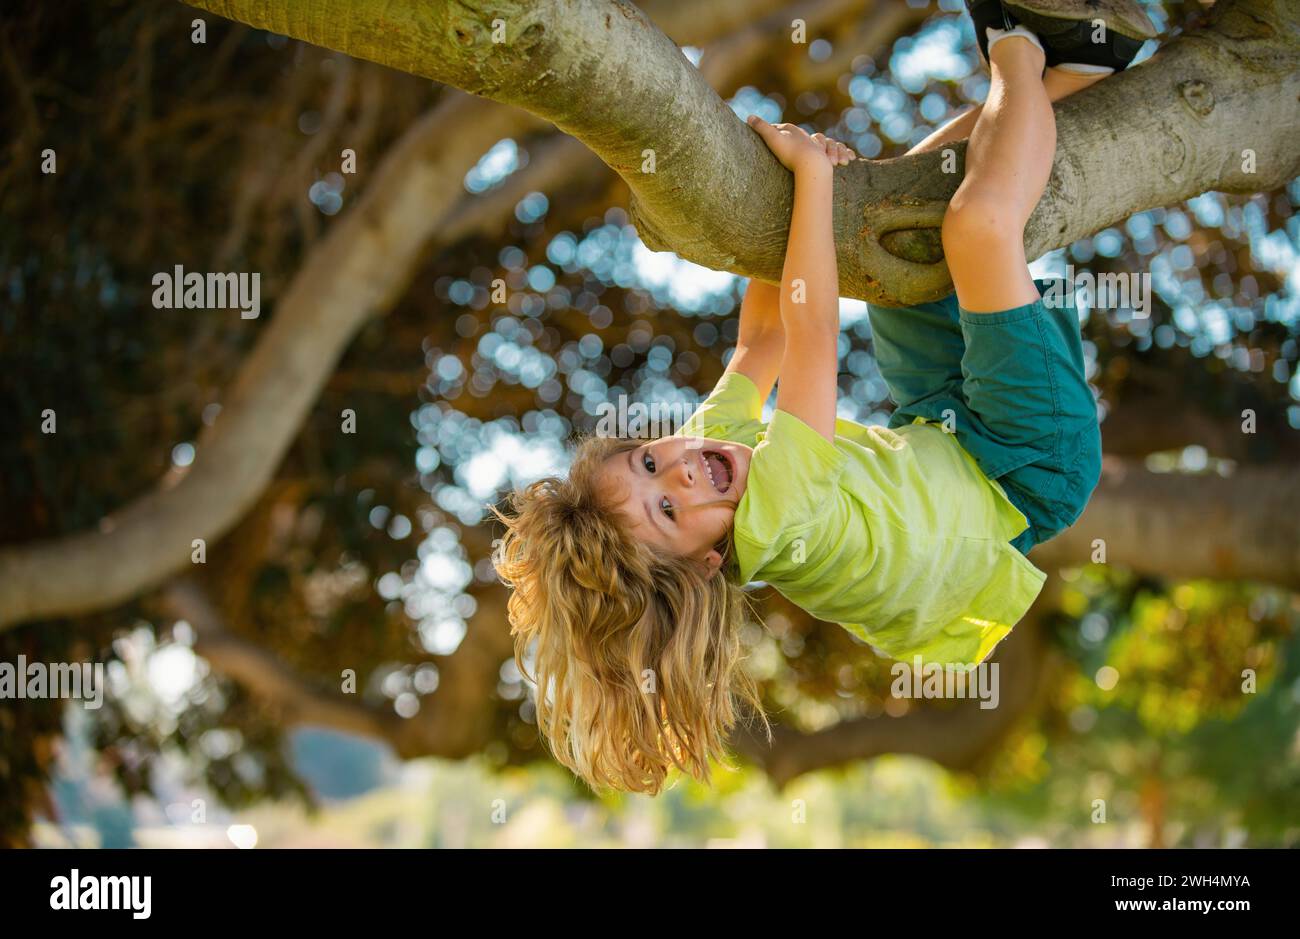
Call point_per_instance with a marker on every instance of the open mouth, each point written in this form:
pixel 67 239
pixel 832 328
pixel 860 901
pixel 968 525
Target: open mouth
pixel 719 468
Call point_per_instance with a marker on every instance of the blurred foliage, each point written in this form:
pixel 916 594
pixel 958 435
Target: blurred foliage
pixel 368 552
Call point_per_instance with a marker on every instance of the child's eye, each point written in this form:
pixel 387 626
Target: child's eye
pixel 649 463
pixel 666 506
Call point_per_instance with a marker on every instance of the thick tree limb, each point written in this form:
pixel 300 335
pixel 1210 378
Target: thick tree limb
pixel 956 737
pixel 1148 422
pixel 1241 526
pixel 264 675
pixel 725 64
pixel 1165 131
pixel 454 722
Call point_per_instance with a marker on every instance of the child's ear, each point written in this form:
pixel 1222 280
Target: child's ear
pixel 712 563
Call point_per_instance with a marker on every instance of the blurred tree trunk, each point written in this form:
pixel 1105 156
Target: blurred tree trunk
pixel 1185 525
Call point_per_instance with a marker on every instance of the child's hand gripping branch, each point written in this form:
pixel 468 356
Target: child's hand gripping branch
pixel 800 151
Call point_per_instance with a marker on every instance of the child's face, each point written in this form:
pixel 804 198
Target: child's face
pixel 680 493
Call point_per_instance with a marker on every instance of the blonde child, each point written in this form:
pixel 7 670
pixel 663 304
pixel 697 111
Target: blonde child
pixel 627 576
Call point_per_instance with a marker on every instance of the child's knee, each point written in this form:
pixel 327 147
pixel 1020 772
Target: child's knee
pixel 973 219
pixel 975 226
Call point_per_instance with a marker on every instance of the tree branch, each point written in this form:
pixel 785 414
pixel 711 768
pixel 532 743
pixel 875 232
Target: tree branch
pixel 956 737
pixel 717 197
pixel 267 677
pixel 454 722
pixel 1180 525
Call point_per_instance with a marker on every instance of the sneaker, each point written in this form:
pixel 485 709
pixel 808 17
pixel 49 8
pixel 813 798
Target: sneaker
pixel 1105 33
pixel 985 14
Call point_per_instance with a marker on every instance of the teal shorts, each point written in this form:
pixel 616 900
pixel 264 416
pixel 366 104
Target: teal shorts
pixel 1011 386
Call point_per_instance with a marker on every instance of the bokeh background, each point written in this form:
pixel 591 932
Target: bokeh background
pixel 369 551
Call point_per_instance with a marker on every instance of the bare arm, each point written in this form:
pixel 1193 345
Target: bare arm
pixel 810 307
pixel 810 277
pixel 760 343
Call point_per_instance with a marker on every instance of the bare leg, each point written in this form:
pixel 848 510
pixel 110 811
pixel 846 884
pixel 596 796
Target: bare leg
pixel 1008 161
pixel 1059 84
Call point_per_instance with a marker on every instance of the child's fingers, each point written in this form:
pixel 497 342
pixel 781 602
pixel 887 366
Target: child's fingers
pixel 840 153
pixel 767 131
pixel 774 137
pixel 763 127
pixel 827 146
pixel 782 135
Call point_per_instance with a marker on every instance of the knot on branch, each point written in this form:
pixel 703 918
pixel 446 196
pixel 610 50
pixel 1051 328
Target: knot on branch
pixel 918 245
pixel 492 42
pixel 900 244
pixel 1198 96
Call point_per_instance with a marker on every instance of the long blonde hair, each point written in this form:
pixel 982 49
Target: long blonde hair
pixel 636 653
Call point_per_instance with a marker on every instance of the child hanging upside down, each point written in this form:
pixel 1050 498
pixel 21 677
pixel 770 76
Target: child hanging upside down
pixel 627 576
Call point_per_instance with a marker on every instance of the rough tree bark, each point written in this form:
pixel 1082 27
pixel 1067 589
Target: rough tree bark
pixel 599 70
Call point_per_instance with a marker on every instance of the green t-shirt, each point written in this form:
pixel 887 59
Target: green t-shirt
pixel 897 535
